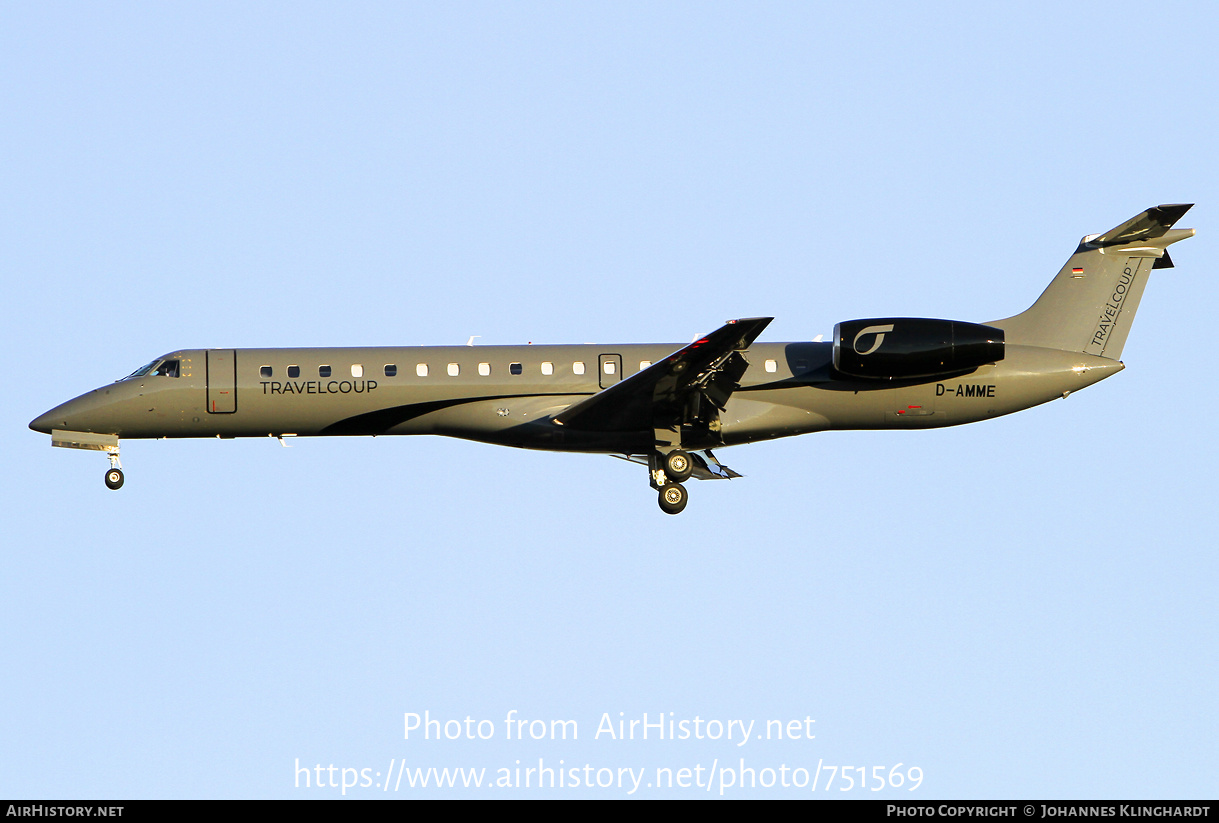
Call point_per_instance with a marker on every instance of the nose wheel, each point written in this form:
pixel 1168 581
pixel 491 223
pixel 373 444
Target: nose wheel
pixel 114 475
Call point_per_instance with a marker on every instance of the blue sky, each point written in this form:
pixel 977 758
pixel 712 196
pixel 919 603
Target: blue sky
pixel 1019 608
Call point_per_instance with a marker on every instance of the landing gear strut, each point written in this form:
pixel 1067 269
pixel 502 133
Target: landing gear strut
pixel 114 475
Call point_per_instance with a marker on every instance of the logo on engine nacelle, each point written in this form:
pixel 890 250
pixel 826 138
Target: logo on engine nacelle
pixel 879 331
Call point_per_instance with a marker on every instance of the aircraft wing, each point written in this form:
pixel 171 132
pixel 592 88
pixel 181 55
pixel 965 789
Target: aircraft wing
pixel 710 367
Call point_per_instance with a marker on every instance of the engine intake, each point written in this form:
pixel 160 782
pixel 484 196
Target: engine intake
pixel 896 348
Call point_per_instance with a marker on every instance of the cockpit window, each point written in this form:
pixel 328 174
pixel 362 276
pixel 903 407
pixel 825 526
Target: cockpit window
pixel 143 370
pixel 158 368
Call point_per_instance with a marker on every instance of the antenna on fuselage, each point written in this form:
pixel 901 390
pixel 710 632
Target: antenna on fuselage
pixel 470 342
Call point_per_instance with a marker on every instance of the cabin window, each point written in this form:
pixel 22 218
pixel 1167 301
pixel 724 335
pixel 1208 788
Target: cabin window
pixel 421 369
pixel 265 371
pixel 608 366
pixel 577 367
pixel 294 371
pixel 547 367
pixel 772 366
pixel 167 369
pixel 323 371
pixel 357 370
pixel 484 369
pixel 643 364
pixel 391 370
pixel 516 368
pixel 454 370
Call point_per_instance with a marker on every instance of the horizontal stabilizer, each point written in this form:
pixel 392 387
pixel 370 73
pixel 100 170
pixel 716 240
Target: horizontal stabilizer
pixel 1146 226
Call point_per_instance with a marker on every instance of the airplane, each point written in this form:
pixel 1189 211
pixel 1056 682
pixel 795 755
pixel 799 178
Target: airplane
pixel 663 406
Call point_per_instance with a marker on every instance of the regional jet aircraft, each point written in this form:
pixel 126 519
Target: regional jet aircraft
pixel 664 406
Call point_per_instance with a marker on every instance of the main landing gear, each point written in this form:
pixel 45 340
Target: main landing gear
pixel 673 498
pixel 678 466
pixel 667 472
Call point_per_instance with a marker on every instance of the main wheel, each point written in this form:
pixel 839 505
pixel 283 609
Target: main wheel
pixel 678 466
pixel 114 479
pixel 673 498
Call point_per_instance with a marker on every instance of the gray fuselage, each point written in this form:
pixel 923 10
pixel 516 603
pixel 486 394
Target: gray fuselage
pixel 509 395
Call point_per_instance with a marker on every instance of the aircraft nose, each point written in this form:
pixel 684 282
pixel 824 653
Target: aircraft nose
pixel 50 420
pixel 68 416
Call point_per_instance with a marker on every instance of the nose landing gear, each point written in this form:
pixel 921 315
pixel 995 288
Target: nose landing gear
pixel 92 441
pixel 114 475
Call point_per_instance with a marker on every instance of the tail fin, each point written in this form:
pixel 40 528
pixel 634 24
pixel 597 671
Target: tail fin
pixel 1090 305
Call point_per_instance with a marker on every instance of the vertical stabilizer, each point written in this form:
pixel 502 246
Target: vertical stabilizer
pixel 1090 305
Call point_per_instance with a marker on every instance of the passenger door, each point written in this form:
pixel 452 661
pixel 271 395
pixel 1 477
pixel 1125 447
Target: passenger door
pixel 221 381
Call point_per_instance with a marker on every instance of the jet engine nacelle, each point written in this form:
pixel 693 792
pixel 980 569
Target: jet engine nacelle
pixel 896 348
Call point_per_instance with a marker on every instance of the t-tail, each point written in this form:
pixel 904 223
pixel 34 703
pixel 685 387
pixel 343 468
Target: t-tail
pixel 1090 305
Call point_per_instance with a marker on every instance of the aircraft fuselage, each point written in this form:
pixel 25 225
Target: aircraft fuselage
pixel 475 393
